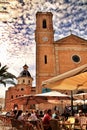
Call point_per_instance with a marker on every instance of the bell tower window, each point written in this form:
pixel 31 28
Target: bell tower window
pixel 45 59
pixel 44 23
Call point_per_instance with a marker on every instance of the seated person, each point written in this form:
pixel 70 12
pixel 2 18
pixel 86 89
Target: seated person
pixel 55 115
pixel 46 119
pixel 21 118
pixel 70 122
pixel 83 121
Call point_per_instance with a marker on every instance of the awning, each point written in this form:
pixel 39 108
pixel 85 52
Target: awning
pixel 71 80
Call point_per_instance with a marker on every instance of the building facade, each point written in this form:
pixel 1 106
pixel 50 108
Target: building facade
pixel 23 87
pixel 55 57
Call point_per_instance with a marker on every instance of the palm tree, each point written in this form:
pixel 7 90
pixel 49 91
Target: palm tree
pixel 6 77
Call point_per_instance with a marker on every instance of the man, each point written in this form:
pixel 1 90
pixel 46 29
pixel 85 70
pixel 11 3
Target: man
pixel 46 120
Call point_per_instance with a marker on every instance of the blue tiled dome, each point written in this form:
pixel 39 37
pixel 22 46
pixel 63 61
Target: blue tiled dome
pixel 25 72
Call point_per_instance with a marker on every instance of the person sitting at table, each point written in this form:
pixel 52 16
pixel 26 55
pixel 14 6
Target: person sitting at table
pixel 55 115
pixel 19 115
pixel 77 124
pixel 21 118
pixel 41 114
pixel 83 121
pixel 32 116
pixel 46 119
pixel 69 123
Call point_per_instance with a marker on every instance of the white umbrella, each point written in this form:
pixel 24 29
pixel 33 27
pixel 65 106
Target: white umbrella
pixel 81 96
pixel 56 101
pixel 29 99
pixel 54 95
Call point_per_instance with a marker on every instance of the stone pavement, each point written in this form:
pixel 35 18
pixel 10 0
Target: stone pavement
pixel 3 127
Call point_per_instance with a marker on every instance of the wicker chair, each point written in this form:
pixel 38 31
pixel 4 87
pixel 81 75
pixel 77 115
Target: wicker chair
pixel 55 125
pixel 20 125
pixel 40 125
pixel 13 123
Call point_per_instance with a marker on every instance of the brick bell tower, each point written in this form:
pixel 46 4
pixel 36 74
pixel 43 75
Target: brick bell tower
pixel 45 57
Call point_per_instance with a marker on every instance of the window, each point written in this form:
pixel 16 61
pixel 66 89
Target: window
pixel 29 81
pixel 45 59
pixel 76 58
pixel 44 23
pixel 23 81
pixel 15 106
pixel 11 96
pixel 22 89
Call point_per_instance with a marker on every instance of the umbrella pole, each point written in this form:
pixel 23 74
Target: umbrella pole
pixel 72 112
pixel 84 102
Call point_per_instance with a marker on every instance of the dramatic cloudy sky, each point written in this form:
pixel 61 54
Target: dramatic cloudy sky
pixel 17 41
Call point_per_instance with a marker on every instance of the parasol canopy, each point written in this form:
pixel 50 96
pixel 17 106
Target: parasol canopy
pixel 54 95
pixel 29 99
pixel 80 96
pixel 71 80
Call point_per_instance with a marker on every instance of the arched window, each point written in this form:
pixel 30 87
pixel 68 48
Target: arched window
pixel 23 81
pixel 11 96
pixel 45 59
pixel 44 23
pixel 22 89
pixel 29 81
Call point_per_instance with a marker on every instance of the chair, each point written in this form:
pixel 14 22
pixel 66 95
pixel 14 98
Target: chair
pixel 13 123
pixel 19 125
pixel 77 126
pixel 40 125
pixel 55 124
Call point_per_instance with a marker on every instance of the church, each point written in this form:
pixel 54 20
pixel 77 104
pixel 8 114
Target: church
pixel 55 57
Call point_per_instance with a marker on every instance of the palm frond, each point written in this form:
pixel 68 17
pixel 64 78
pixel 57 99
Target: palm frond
pixel 10 82
pixel 3 70
pixel 6 77
pixel 3 82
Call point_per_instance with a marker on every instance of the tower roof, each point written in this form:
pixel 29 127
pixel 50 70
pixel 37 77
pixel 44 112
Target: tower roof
pixel 25 72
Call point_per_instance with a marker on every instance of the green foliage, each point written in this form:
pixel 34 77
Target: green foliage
pixel 5 76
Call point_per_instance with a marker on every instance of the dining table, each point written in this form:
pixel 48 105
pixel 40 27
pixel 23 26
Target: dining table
pixel 34 123
pixel 66 125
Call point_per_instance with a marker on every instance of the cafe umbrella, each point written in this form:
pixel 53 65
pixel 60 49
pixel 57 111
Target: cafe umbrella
pixel 29 99
pixel 82 97
pixel 70 80
pixel 54 95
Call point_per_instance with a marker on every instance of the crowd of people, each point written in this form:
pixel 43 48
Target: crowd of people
pixel 45 116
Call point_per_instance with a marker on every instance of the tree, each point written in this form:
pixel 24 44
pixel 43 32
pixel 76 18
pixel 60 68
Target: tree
pixel 5 76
